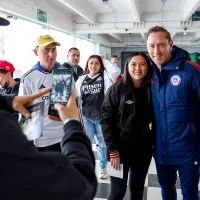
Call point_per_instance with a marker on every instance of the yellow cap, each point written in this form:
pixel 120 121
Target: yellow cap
pixel 45 40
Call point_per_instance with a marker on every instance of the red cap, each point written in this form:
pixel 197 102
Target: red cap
pixel 7 66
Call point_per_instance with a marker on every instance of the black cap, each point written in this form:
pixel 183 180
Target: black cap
pixel 4 22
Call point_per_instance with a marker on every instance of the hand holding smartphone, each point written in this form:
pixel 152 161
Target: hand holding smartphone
pixel 60 91
pixel 68 111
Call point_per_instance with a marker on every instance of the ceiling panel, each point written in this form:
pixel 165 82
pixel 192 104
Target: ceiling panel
pixel 156 5
pixel 57 5
pixel 118 6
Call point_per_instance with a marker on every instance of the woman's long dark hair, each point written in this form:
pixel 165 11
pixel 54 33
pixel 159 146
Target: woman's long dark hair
pixel 127 87
pixel 86 71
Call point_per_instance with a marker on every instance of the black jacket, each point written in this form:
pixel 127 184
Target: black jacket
pixel 26 173
pixel 77 70
pixel 10 90
pixel 7 98
pixel 127 133
pixel 6 102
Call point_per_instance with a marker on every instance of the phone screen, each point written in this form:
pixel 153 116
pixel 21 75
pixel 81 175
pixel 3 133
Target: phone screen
pixel 60 90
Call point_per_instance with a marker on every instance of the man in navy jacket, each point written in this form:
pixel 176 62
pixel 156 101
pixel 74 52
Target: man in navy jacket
pixel 175 88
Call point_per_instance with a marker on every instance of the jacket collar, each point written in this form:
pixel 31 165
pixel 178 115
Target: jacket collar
pixel 44 70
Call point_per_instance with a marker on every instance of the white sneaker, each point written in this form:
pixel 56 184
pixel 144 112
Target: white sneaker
pixel 103 173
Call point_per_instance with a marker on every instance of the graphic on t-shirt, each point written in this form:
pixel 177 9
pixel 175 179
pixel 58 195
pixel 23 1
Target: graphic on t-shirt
pixel 41 87
pixel 92 93
pixel 91 89
pixel 3 91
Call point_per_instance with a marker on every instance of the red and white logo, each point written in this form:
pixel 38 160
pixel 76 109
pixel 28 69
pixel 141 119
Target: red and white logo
pixel 7 68
pixel 175 80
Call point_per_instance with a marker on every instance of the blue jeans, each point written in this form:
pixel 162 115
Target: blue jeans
pixel 189 179
pixel 93 130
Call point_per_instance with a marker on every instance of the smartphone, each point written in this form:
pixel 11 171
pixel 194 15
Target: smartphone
pixel 60 91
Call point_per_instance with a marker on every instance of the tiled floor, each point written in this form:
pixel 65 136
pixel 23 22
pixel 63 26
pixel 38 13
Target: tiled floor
pixel 152 190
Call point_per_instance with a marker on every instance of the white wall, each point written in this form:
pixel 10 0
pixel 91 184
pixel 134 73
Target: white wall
pixel 28 8
pixel 99 39
pixel 105 51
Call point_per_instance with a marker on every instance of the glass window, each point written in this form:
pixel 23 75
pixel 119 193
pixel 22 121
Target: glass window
pixel 105 51
pixel 18 40
pixel 86 48
pixel 18 45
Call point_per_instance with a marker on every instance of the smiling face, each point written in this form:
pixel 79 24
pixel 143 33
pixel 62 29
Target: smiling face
pixel 137 68
pixel 94 66
pixel 159 47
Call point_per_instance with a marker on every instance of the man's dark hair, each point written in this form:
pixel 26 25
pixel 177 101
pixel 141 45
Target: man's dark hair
pixel 114 56
pixel 3 71
pixel 156 29
pixel 71 49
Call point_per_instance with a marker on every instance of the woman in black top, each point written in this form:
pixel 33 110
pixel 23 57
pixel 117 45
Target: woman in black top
pixel 91 87
pixel 125 118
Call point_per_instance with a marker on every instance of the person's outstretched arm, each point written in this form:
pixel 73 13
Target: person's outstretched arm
pixel 77 147
pixel 19 103
pixel 109 121
pixel 29 174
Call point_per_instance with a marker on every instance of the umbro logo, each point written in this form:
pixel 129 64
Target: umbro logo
pixel 41 87
pixel 129 102
pixel 99 79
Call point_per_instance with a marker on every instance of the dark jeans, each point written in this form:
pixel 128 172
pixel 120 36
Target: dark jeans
pixel 137 176
pixel 54 147
pixel 189 179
